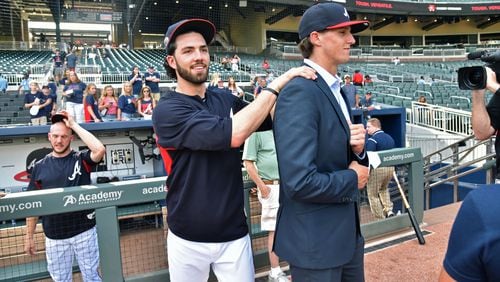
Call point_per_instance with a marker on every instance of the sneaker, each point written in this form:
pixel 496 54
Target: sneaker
pixel 280 278
pixel 390 214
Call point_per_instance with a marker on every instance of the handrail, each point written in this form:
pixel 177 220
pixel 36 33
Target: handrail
pixel 458 161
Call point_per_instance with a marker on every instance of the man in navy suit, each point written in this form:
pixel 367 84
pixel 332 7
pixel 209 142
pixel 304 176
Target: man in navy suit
pixel 321 157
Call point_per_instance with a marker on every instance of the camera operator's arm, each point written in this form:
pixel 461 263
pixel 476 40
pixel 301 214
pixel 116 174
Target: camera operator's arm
pixel 481 121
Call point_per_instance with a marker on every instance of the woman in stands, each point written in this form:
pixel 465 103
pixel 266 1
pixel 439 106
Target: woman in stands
pixel 73 91
pixel 126 103
pixel 145 104
pixel 108 104
pixel 214 80
pixel 136 79
pixel 235 90
pixel 90 104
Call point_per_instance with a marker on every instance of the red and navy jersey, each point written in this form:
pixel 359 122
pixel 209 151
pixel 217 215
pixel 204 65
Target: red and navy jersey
pixel 71 170
pixel 205 187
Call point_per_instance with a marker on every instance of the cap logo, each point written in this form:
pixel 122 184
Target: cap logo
pixel 345 13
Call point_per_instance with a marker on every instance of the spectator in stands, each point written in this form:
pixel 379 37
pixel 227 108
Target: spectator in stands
pixel 52 85
pixel 146 103
pixel 350 92
pixel 265 65
pixel 24 86
pixel 108 104
pixel 367 102
pixel 214 80
pixel 259 158
pixel 357 78
pixel 201 132
pixel 73 91
pixel 379 196
pixel 368 80
pixel 235 63
pixel 422 99
pixel 262 83
pixel 321 157
pixel 34 101
pixel 226 63
pixel 126 103
pixel 71 60
pixel 235 89
pixel 3 84
pixel 421 81
pixel 91 105
pixel 64 78
pixel 51 108
pixel 73 233
pixel 58 61
pixel 152 79
pixel 136 79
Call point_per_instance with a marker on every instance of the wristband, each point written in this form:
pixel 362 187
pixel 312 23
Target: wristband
pixel 274 91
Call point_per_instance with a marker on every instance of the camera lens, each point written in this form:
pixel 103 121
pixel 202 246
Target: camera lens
pixel 475 77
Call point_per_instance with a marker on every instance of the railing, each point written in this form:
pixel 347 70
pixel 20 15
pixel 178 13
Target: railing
pixel 441 118
pixel 461 158
pixel 108 200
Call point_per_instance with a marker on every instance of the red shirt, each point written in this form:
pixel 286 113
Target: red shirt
pixel 357 78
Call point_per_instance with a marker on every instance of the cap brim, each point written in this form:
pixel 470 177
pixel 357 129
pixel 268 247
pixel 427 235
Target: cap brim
pixel 356 26
pixel 58 117
pixel 204 27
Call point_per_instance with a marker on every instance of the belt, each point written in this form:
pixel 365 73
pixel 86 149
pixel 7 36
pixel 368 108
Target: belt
pixel 271 182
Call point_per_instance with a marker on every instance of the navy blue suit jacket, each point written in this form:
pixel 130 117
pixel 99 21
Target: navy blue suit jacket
pixel 318 221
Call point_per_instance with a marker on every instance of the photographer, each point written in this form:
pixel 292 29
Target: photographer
pixel 486 119
pixel 474 242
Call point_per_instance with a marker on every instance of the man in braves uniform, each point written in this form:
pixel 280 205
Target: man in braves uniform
pixel 199 132
pixel 68 234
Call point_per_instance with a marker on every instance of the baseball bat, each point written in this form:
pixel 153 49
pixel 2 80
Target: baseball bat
pixel 413 220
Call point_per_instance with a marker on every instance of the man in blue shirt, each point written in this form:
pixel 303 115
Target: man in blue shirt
pixel 152 79
pixel 377 187
pixel 3 84
pixel 199 133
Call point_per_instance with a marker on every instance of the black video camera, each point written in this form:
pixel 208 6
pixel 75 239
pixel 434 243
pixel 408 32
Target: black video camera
pixel 474 78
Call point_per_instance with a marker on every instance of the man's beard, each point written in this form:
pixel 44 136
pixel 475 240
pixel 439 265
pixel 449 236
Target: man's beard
pixel 195 79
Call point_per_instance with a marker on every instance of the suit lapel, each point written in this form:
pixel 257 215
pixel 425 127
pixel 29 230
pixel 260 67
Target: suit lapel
pixel 325 89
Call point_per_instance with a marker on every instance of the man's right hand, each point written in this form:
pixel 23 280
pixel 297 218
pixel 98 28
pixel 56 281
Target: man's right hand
pixel 362 172
pixel 29 245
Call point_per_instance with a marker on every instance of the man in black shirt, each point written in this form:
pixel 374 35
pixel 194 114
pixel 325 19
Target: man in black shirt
pixel 199 133
pixel 486 119
pixel 68 234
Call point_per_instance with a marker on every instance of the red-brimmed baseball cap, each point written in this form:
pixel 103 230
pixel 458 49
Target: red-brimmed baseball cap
pixel 202 26
pixel 59 117
pixel 328 16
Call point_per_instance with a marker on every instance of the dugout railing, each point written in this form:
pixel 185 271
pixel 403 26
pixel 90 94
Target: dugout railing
pixel 115 244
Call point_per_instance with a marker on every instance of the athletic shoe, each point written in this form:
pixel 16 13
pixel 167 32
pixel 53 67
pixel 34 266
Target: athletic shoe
pixel 390 214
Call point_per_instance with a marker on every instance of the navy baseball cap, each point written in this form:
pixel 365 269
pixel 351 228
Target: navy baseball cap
pixel 328 16
pixel 58 117
pixel 204 27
